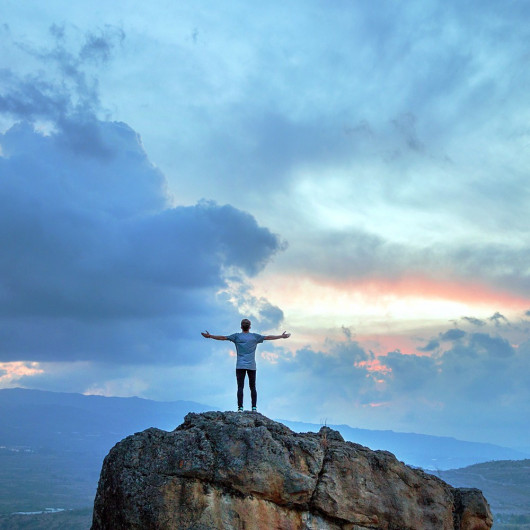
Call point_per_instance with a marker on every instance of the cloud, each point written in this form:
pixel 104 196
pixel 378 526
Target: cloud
pixel 498 319
pixel 11 373
pixel 103 278
pixel 97 264
pixel 312 381
pixel 409 373
pixel 452 334
pixel 475 321
pixel 98 47
pixel 444 270
pixel 388 131
pixel 412 87
pixel 255 308
pixel 491 346
pixel 477 382
pixel 432 345
pixel 62 91
pixel 65 89
pixel 387 147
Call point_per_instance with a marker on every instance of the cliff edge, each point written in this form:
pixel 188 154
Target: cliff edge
pixel 224 470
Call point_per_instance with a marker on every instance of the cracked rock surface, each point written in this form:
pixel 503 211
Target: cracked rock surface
pixel 224 470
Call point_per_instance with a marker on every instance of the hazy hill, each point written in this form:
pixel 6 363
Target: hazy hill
pixel 52 444
pixel 506 485
pixel 36 417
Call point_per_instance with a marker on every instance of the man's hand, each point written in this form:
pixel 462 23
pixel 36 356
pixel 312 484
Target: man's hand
pixel 284 335
pixel 207 335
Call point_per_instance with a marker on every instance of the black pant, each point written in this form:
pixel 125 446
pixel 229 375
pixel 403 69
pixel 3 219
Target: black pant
pixel 240 374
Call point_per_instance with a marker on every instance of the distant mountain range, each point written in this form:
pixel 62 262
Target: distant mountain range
pixel 421 450
pixel 52 444
pixel 56 420
pixel 53 420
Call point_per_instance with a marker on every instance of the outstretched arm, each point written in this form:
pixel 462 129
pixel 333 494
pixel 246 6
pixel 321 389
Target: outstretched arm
pixel 284 335
pixel 206 335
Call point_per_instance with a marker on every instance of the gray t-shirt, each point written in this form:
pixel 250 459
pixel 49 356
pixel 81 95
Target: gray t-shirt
pixel 246 348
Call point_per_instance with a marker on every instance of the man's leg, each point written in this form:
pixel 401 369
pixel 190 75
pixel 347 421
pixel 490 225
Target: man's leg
pixel 252 384
pixel 240 375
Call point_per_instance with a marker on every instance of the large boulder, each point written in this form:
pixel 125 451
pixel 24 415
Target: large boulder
pixel 227 470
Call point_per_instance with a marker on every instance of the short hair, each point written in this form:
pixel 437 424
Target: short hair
pixel 245 324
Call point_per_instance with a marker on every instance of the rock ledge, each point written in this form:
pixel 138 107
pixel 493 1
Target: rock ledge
pixel 224 470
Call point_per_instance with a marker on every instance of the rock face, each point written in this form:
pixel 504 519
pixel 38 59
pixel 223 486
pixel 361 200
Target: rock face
pixel 244 471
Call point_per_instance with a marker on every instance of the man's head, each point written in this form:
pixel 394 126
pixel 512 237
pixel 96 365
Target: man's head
pixel 245 324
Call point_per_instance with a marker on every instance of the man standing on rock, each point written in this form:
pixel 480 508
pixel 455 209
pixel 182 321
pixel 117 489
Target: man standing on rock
pixel 246 343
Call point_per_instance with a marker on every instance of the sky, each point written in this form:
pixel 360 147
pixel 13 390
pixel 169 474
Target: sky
pixel 353 172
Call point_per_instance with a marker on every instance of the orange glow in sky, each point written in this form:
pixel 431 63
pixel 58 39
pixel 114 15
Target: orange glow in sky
pixel 373 366
pixel 12 371
pixel 383 306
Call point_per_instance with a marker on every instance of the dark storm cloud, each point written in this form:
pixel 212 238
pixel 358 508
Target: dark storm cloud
pixel 29 99
pixel 96 264
pixel 470 344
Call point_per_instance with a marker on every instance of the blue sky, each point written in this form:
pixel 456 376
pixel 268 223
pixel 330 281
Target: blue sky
pixel 353 172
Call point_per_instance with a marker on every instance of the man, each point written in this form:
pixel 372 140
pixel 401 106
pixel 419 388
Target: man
pixel 246 343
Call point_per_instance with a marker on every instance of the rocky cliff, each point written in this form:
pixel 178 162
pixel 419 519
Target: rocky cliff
pixel 244 471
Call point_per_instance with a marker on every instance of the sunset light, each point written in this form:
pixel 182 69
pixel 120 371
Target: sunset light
pixel 354 174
